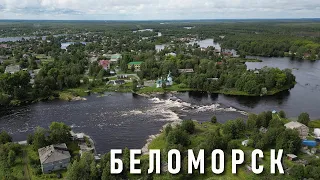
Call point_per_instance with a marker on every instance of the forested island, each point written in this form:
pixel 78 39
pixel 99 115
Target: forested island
pixel 50 64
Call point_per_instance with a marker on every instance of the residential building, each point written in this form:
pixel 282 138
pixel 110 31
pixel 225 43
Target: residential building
pixel 301 128
pixel 115 58
pixel 171 54
pixel 136 65
pixel 316 132
pixel 185 70
pixel 12 69
pixel 105 64
pixel 116 82
pixel 54 157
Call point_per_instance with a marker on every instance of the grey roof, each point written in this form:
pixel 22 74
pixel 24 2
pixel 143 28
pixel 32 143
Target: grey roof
pixel 12 69
pixel 293 125
pixel 53 153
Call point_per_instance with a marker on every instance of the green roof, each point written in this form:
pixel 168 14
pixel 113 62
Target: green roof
pixel 135 63
pixel 116 56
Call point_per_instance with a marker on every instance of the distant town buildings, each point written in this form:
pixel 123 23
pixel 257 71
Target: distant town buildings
pixel 171 54
pixel 12 69
pixel 116 82
pixel 185 70
pixel 54 157
pixel 302 129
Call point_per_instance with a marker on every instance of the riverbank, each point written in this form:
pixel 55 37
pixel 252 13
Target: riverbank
pixel 233 92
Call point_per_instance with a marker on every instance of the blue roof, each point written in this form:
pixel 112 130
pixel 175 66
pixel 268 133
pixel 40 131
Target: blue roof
pixel 309 143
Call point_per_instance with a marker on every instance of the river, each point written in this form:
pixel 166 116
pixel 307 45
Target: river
pixel 116 120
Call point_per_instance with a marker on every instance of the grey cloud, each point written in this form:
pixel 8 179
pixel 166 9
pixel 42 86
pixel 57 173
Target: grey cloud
pixel 164 9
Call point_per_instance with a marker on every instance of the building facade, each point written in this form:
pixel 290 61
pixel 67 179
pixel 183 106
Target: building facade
pixel 54 157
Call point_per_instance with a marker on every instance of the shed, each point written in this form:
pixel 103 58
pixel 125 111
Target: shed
pixel 245 142
pixel 292 157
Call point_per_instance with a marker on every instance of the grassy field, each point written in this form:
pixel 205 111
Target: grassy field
pixel 314 124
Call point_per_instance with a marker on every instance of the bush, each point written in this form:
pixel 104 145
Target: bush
pixel 304 118
pixel 214 119
pixel 178 136
pixel 282 114
pixel 168 129
pixel 188 126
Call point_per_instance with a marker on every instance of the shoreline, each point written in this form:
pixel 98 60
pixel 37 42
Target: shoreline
pixel 81 96
pixel 145 148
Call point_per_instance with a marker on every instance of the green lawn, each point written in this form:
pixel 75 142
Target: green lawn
pixel 314 124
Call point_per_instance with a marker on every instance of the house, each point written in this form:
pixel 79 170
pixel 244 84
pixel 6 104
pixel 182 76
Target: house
pixel 292 157
pixel 135 64
pixel 116 82
pixel 6 46
pixel 54 157
pixel 301 128
pixel 185 70
pixel 171 54
pixel 115 58
pixel 316 132
pixel 12 69
pixel 245 142
pixel 105 64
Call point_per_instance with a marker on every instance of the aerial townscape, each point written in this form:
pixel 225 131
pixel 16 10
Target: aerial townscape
pixel 70 91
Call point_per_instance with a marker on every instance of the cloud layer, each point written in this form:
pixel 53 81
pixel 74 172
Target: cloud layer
pixel 157 9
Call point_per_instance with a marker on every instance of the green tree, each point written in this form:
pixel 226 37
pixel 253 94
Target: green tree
pixel 289 141
pixel 39 138
pixel 59 133
pixel 134 85
pixel 252 121
pixel 5 137
pixel 11 157
pixel 178 136
pixel 214 119
pixel 282 114
pixel 297 171
pixel 304 118
pixel 188 126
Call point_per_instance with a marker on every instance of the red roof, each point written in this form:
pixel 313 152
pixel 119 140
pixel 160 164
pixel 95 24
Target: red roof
pixel 104 63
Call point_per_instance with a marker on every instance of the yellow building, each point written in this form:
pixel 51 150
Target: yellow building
pixel 136 65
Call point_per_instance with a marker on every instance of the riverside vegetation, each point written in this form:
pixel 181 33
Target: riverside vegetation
pixel 189 134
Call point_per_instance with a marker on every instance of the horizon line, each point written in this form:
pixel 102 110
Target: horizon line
pixel 205 19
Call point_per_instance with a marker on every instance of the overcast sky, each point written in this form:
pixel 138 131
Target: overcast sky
pixel 157 9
